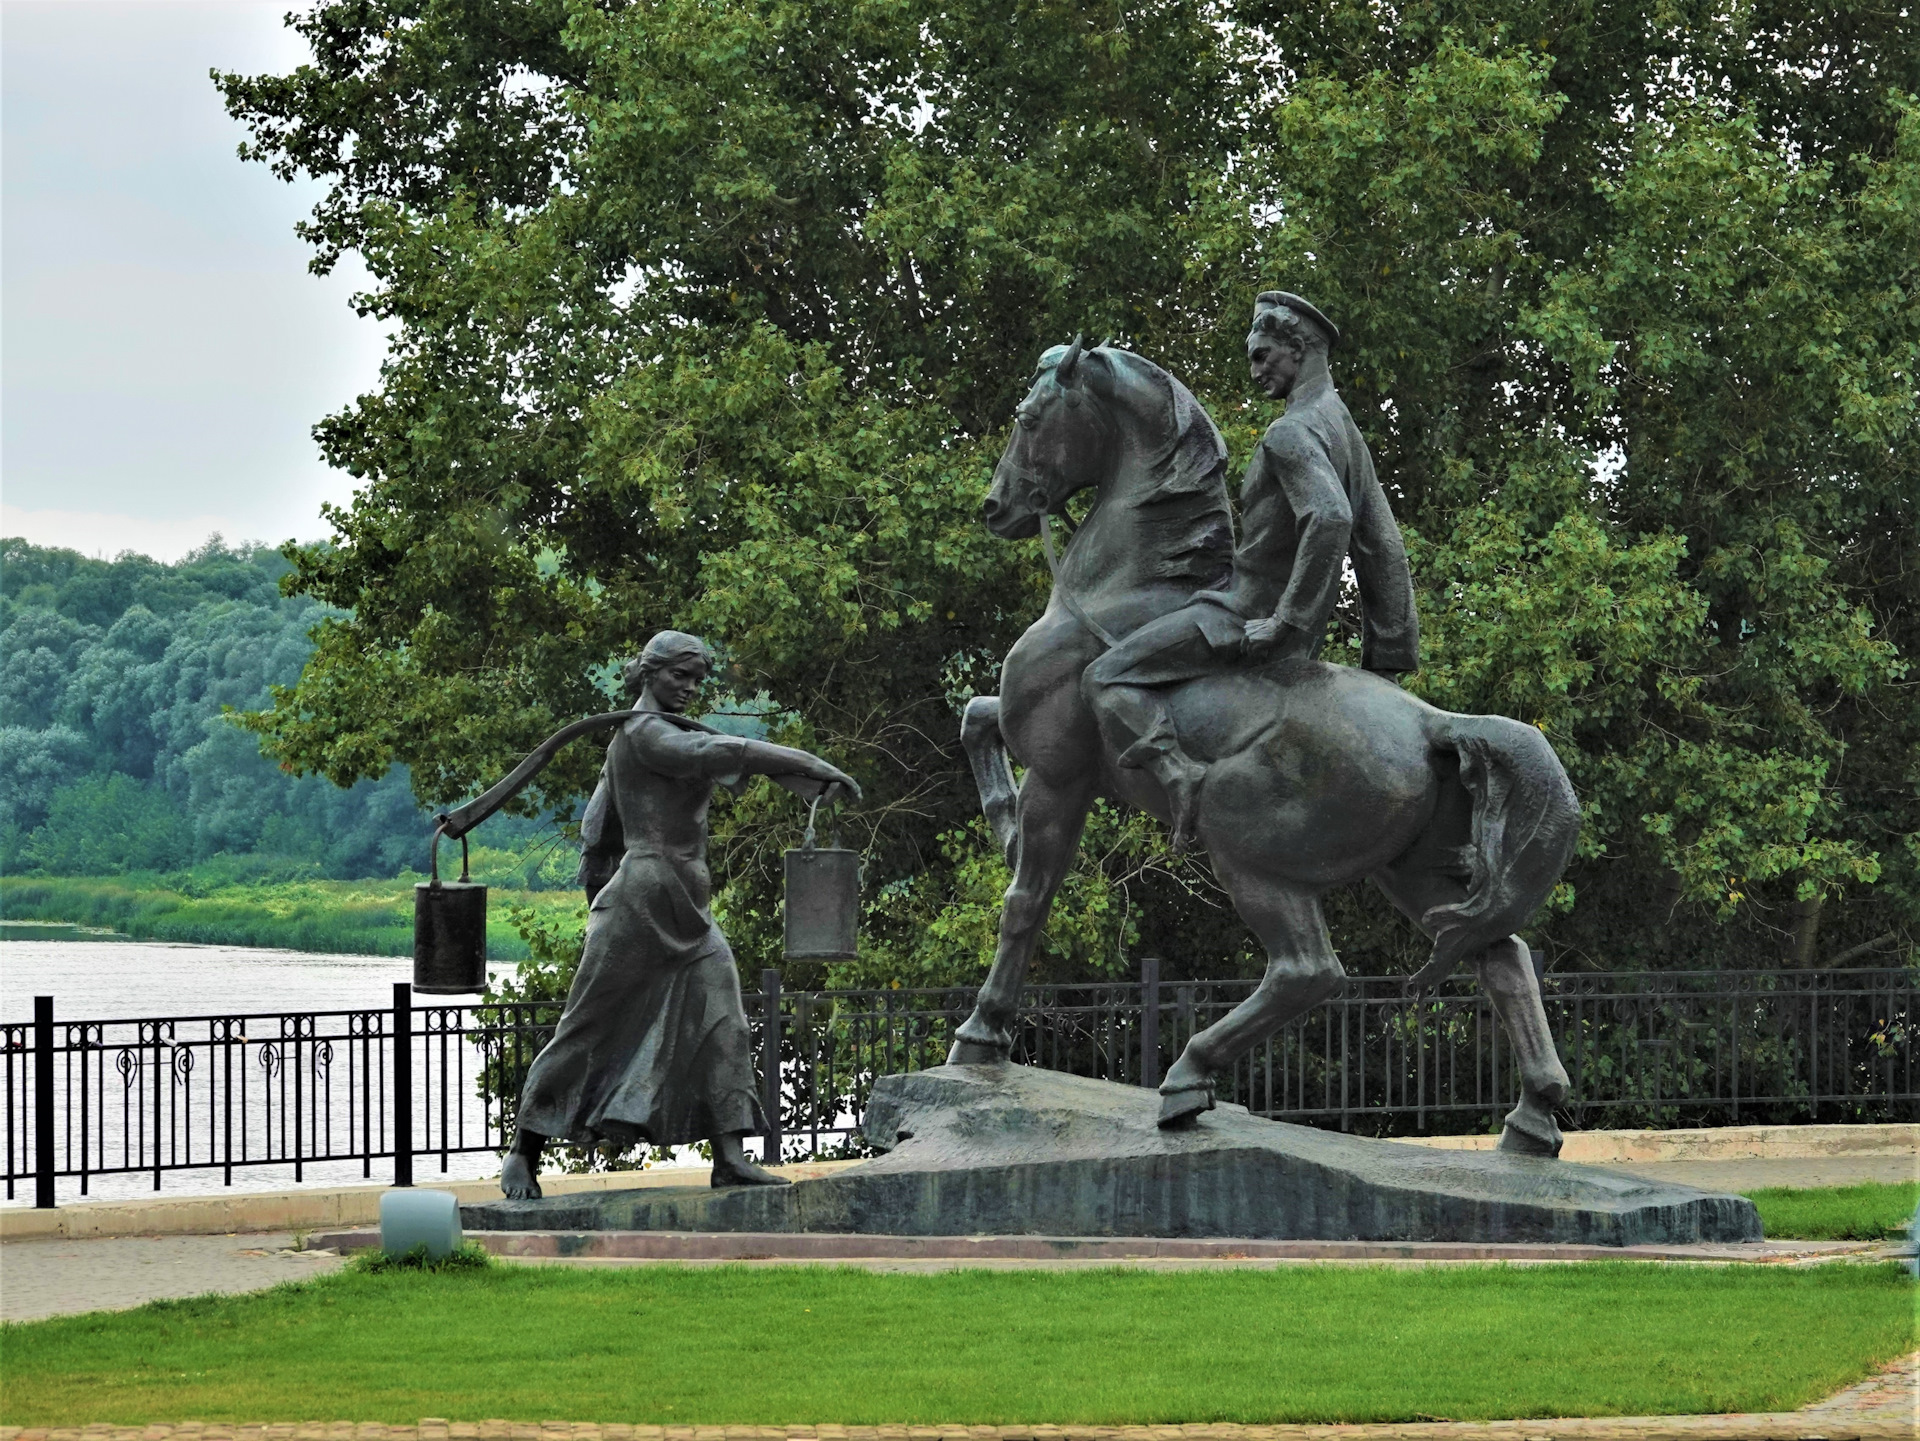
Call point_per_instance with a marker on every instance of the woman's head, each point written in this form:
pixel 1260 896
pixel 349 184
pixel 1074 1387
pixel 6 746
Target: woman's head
pixel 683 656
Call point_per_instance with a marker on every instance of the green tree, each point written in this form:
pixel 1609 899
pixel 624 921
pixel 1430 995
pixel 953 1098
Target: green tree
pixel 144 692
pixel 713 315
pixel 107 824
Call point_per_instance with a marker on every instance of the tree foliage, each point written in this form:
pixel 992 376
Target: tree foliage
pixel 712 312
pixel 117 748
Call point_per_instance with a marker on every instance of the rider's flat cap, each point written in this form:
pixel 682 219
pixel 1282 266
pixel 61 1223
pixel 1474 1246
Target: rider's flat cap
pixel 1286 300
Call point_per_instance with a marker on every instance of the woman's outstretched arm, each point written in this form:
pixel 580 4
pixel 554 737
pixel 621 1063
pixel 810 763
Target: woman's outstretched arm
pixel 764 759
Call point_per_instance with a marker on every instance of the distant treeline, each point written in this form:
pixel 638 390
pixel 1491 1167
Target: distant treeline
pixel 116 755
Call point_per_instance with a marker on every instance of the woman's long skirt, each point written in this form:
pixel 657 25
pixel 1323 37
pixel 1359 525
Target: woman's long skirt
pixel 653 1043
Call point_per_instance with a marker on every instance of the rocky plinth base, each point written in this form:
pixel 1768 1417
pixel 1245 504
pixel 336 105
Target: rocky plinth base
pixel 1013 1150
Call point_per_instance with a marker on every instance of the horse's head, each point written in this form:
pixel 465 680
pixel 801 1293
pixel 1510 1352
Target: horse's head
pixel 1063 441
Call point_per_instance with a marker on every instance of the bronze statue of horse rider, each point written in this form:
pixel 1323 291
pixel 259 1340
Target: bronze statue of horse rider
pixel 1310 501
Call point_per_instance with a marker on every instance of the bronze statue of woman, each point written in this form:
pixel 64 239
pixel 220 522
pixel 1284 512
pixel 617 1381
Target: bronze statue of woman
pixel 653 1043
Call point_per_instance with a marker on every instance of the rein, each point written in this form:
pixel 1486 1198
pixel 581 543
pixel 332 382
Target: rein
pixel 1066 596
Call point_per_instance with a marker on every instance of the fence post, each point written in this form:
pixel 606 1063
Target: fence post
pixel 43 1102
pixel 770 1063
pixel 402 1083
pixel 1150 1021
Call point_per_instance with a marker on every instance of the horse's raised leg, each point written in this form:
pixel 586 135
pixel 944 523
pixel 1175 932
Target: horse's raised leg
pixel 987 754
pixel 1301 971
pixel 1052 815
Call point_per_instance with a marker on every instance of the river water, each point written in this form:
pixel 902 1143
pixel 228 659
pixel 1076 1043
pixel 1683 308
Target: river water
pixel 94 976
pixel 97 976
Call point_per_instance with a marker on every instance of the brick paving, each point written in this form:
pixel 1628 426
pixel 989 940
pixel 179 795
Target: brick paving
pixel 1893 1394
pixel 56 1277
pixel 1885 1407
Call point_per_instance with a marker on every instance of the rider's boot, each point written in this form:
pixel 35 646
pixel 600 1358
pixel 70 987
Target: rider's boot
pixel 1158 753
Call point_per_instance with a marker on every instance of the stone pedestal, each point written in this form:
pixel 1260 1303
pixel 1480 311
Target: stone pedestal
pixel 1012 1150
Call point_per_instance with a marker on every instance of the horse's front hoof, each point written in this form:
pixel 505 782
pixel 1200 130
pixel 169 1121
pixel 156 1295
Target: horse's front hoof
pixel 1182 1107
pixel 1531 1133
pixel 978 1053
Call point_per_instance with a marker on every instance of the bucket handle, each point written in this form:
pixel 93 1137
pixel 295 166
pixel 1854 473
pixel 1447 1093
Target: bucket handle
pixel 434 861
pixel 813 810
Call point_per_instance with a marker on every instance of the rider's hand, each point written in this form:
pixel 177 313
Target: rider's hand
pixel 1273 639
pixel 1261 634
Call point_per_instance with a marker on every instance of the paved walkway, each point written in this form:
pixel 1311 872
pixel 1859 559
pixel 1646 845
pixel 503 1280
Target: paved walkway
pixel 56 1278
pixel 1893 1394
pixel 1751 1173
pixel 1884 1408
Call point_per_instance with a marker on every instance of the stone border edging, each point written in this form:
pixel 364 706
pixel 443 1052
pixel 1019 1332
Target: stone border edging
pixel 1883 1407
pixel 1776 1426
pixel 244 1212
pixel 829 1248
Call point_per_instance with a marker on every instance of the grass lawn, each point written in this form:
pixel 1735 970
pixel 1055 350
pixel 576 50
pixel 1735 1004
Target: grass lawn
pixel 1870 1211
pixel 768 1346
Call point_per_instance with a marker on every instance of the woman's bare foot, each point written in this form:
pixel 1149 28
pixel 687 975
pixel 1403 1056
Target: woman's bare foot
pixel 732 1168
pixel 520 1176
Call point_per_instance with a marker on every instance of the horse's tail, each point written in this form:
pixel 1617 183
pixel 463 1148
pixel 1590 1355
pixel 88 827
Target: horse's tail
pixel 1525 822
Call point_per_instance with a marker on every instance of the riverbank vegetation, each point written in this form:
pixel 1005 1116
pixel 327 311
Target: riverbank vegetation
pixel 775 1346
pixel 240 906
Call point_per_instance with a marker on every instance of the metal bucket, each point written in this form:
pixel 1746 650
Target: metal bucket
pixel 449 932
pixel 823 904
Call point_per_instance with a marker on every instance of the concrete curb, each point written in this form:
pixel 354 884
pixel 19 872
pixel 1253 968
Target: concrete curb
pixel 348 1206
pixel 1778 1426
pixel 1714 1143
pixel 824 1248
pixel 307 1210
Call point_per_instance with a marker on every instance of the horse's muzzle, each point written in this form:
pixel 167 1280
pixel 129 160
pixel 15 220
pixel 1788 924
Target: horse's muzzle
pixel 1014 519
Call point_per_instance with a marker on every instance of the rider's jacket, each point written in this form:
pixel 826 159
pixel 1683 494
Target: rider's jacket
pixel 1309 501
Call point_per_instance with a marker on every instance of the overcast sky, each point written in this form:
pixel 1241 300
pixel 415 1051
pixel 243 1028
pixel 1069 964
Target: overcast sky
pixel 164 352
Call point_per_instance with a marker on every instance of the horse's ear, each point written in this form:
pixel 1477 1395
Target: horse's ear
pixel 1069 362
pixel 1097 374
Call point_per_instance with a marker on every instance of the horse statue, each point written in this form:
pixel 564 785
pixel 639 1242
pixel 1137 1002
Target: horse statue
pixel 1317 774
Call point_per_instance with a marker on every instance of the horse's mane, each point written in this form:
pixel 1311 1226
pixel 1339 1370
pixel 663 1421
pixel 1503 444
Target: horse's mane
pixel 1184 508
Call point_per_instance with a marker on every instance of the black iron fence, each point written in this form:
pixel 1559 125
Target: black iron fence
pixel 87 1099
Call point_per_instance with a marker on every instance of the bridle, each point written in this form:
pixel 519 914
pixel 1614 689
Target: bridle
pixel 1066 596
